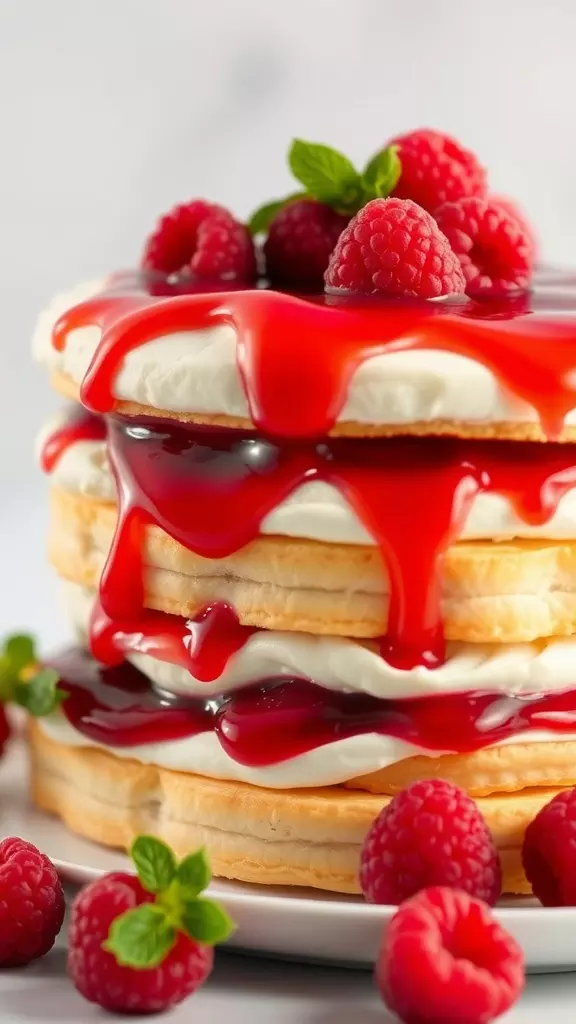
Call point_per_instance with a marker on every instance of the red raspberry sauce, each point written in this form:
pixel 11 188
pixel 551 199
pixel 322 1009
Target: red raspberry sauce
pixel 296 358
pixel 277 719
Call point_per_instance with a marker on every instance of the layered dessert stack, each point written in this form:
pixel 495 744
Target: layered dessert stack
pixel 315 546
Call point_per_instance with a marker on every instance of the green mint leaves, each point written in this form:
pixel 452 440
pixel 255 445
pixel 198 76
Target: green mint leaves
pixel 329 177
pixel 142 938
pixel 23 682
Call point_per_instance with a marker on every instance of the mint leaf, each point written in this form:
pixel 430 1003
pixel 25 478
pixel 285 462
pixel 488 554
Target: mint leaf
pixel 155 863
pixel 382 173
pixel 260 220
pixel 40 695
pixel 326 174
pixel 19 652
pixel 140 938
pixel 206 922
pixel 194 873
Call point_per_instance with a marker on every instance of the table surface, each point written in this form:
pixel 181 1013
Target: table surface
pixel 254 991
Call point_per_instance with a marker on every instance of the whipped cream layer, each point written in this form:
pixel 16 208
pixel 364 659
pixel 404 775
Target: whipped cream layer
pixel 195 371
pixel 347 666
pixel 329 765
pixel 317 510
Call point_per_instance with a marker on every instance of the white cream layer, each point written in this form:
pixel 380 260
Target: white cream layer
pixel 317 511
pixel 347 666
pixel 196 371
pixel 326 766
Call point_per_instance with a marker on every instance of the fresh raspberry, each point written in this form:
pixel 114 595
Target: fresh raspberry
pixel 520 216
pixel 300 241
pixel 445 960
pixel 121 989
pixel 393 247
pixel 31 903
pixel 549 851
pixel 431 833
pixel 203 240
pixel 495 251
pixel 436 169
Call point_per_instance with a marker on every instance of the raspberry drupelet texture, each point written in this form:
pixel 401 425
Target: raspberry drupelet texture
pixel 31 903
pixel 446 960
pixel 393 247
pixel 203 240
pixel 300 241
pixel 436 169
pixel 494 248
pixel 431 833
pixel 549 852
pixel 95 971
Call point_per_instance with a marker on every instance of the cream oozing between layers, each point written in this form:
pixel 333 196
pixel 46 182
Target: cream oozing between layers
pixel 316 511
pixel 195 371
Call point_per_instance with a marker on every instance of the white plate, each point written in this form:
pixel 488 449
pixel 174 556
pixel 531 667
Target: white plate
pixel 297 924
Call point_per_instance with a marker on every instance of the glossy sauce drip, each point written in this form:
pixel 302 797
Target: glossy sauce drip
pixel 413 497
pixel 210 491
pixel 80 425
pixel 275 720
pixel 289 346
pixel 203 646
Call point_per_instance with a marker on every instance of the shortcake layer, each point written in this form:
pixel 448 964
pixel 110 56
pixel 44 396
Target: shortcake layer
pixel 193 375
pixel 504 593
pixel 315 511
pixel 346 665
pixel 278 837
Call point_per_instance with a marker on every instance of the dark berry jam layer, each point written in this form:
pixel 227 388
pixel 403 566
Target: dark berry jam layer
pixel 278 719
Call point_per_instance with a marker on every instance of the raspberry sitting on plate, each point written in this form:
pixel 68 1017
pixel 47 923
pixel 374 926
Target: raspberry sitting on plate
pixel 436 169
pixel 549 851
pixel 301 238
pixel 141 945
pixel 431 833
pixel 494 249
pixel 31 903
pixel 202 240
pixel 446 960
pixel 519 215
pixel 393 247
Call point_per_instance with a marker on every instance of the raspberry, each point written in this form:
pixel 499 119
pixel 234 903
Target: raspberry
pixel 4 729
pixel 518 214
pixel 549 852
pixel 95 971
pixel 446 960
pixel 301 238
pixel 431 833
pixel 203 240
pixel 31 903
pixel 393 247
pixel 493 247
pixel 436 169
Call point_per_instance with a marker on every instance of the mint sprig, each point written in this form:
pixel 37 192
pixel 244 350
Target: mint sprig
pixel 23 681
pixel 330 177
pixel 143 937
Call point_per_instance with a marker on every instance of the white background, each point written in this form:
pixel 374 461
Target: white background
pixel 112 111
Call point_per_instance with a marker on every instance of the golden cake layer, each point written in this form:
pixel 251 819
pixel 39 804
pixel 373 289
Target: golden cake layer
pixel 492 592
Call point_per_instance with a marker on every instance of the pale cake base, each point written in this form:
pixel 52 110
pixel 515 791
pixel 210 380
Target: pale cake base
pixel 506 430
pixel 492 592
pixel 288 837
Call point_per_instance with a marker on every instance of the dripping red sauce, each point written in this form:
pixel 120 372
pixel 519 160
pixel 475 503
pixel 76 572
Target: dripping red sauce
pixel 310 347
pixel 413 496
pixel 80 425
pixel 210 490
pixel 278 719
pixel 203 646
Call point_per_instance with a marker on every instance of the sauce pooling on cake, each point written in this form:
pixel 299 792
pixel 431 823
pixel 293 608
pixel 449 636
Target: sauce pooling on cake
pixel 210 490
